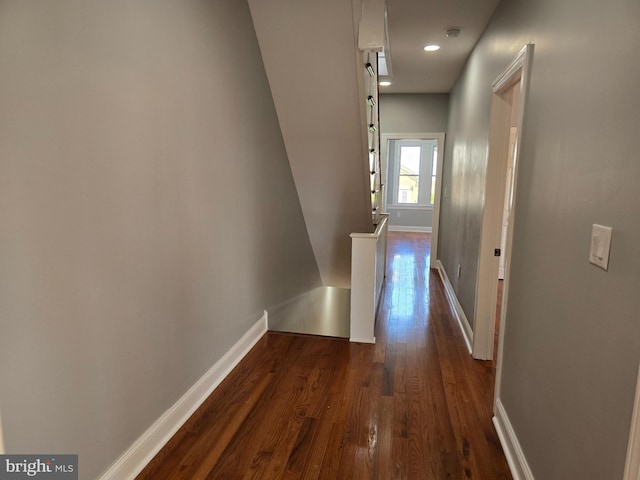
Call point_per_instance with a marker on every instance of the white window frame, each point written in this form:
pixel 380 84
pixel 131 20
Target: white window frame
pixel 425 176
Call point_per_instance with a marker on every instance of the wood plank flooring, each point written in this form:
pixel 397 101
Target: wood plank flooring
pixel 412 406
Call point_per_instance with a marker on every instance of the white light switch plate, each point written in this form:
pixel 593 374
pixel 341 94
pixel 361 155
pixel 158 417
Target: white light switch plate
pixel 600 246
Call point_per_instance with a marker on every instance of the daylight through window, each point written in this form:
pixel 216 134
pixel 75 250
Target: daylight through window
pixel 413 172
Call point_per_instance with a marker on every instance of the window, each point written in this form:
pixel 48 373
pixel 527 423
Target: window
pixel 434 167
pixel 409 175
pixel 412 172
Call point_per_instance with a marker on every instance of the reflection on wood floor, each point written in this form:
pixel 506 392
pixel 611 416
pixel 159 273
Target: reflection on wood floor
pixel 412 406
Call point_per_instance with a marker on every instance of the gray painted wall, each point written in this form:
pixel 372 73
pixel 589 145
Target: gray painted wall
pixel 322 124
pixel 412 113
pixel 148 213
pixel 572 338
pixel 410 218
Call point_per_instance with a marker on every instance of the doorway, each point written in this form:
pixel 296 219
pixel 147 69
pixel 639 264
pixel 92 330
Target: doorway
pixel 507 113
pixel 412 166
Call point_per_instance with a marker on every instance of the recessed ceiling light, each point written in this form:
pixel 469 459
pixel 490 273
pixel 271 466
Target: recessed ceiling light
pixel 385 83
pixel 431 48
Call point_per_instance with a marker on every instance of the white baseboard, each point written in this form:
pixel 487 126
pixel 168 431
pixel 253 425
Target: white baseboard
pixel 362 340
pixel 463 321
pixel 632 465
pixel 142 451
pixel 407 228
pixel 515 456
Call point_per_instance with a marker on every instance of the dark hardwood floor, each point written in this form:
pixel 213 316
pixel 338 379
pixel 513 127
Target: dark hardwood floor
pixel 412 406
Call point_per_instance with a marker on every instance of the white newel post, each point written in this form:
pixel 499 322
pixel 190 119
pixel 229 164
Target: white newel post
pixel 368 265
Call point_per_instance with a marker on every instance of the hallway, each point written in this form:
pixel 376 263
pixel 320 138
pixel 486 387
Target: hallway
pixel 414 405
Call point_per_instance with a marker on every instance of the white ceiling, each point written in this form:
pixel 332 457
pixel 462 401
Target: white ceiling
pixel 415 23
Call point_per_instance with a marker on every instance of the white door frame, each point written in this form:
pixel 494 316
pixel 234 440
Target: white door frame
pixel 384 155
pixel 488 263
